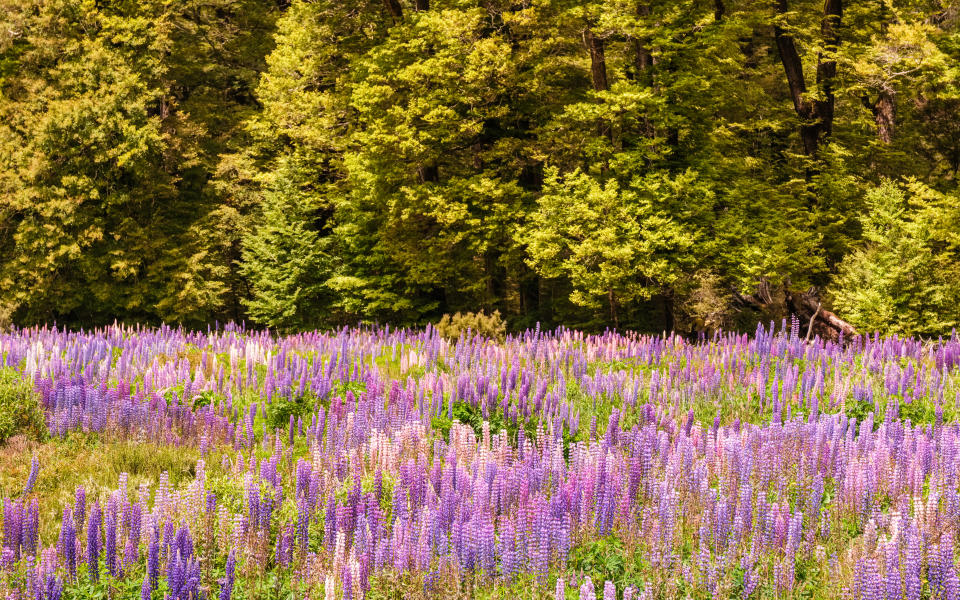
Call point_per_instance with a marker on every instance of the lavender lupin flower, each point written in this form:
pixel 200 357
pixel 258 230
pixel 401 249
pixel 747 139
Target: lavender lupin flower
pixel 347 584
pixel 226 584
pixel 32 477
pixel 912 565
pixel 153 560
pixel 146 589
pixel 68 543
pixel 609 591
pixel 893 584
pixel 93 543
pixel 110 545
pixel 31 528
pixel 586 590
pixel 80 508
pixel 52 588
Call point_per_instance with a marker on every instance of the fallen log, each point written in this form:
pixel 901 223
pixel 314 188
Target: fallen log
pixel 822 322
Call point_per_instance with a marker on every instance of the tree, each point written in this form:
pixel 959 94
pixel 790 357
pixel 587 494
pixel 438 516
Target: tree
pixel 617 245
pixel 905 278
pixel 286 264
pixel 114 116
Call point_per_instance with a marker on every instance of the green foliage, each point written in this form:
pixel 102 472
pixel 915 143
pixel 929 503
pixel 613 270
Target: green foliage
pixel 282 408
pixel 905 278
pixel 469 414
pixel 607 559
pixel 311 163
pixel 617 244
pixel 113 116
pixel 21 412
pixel 285 264
pixel 452 327
pixel 859 410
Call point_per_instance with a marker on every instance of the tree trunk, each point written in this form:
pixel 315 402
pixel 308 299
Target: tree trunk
pixel 668 320
pixel 598 62
pixel 429 174
pixel 816 115
pixel 394 8
pixel 642 57
pixel 642 62
pixel 827 65
pixel 421 5
pixel 598 74
pixel 884 114
pixel 613 309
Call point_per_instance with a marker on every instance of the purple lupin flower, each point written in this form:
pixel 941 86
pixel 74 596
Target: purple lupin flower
pixel 110 546
pixel 183 543
pixel 134 527
pixel 912 565
pixel 951 584
pixel 560 592
pixel 303 524
pixel 586 590
pixel 31 527
pixel 347 584
pixel 153 560
pixel 893 584
pixel 13 515
pixel 175 575
pixel 32 477
pixel 508 553
pixel 80 508
pixel 52 588
pixel 145 589
pixel 93 543
pixel 169 533
pixel 226 584
pixel 867 580
pixel 131 553
pixel 68 543
pixel 609 591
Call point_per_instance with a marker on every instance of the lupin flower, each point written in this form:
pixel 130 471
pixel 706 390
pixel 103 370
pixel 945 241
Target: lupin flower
pixel 52 588
pixel 912 565
pixel 153 560
pixel 609 591
pixel 586 590
pixel 31 528
pixel 110 543
pixel 146 589
pixel 226 584
pixel 68 543
pixel 347 585
pixel 79 508
pixel 32 477
pixel 893 584
pixel 93 543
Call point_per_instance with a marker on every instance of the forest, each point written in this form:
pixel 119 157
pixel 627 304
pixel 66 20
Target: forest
pixel 653 165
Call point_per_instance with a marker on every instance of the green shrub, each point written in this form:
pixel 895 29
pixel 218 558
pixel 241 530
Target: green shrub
pixel 479 323
pixel 279 411
pixel 905 277
pixel 20 410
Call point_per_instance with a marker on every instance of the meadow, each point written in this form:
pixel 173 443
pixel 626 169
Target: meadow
pixel 378 463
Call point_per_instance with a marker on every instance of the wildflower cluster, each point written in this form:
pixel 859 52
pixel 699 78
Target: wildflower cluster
pixel 735 466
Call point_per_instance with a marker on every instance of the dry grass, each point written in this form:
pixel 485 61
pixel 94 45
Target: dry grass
pixel 90 461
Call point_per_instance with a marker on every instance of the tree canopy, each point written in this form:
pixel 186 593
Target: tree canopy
pixel 645 164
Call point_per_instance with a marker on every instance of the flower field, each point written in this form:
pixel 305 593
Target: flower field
pixel 378 463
